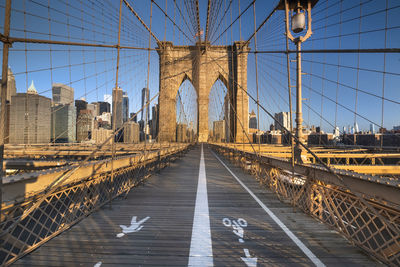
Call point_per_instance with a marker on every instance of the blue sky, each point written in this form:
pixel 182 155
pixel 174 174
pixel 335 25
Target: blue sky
pixel 91 71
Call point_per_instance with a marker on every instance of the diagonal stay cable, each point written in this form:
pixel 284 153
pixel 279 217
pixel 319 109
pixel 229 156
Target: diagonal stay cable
pixel 183 17
pixel 198 20
pixel 233 22
pixel 222 18
pixel 208 19
pixel 140 19
pixel 173 22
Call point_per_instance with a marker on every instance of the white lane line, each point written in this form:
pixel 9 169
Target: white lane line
pixel 200 246
pixel 294 238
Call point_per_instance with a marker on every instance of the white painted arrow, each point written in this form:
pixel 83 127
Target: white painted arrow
pixel 134 227
pixel 251 262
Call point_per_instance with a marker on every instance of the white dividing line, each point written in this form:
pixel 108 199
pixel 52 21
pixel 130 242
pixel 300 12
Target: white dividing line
pixel 200 246
pixel 294 238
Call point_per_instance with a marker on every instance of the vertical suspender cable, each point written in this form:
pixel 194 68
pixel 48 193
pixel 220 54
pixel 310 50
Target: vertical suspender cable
pixel 358 73
pixel 237 54
pixel 256 65
pixel 338 65
pixel 232 123
pixel 384 73
pixel 289 89
pixel 4 81
pixel 240 23
pixel 198 20
pixel 323 80
pixel 148 73
pixel 51 71
pixel 227 134
pixel 114 102
pixel 173 29
pixel 208 20
pixel 165 20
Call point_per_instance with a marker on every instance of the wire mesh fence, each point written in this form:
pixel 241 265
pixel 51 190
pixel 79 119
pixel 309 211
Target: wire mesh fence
pixel 34 220
pixel 367 222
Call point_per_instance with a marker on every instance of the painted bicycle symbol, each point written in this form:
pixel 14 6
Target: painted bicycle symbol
pixel 237 226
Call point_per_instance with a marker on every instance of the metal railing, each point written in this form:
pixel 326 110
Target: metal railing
pixel 41 214
pixel 365 211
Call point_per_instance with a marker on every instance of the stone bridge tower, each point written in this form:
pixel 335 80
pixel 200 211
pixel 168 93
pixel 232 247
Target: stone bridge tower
pixel 203 65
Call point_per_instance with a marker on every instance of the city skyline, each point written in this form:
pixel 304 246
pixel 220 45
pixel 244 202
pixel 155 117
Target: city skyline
pixel 319 90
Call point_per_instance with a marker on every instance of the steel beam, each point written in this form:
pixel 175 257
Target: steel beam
pixel 324 51
pixel 379 188
pixel 44 41
pixel 21 186
pixel 370 169
pixel 26 164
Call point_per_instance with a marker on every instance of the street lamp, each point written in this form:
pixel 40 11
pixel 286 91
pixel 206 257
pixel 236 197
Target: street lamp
pixel 299 11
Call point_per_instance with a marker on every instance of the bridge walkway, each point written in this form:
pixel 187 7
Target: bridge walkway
pixel 173 203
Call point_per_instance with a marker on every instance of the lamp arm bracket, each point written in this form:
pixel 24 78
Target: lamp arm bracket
pixel 288 33
pixel 309 31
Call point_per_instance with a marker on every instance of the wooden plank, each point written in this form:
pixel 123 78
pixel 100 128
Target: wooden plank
pixel 169 199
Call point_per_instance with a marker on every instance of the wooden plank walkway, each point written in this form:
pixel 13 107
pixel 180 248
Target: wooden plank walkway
pixel 169 200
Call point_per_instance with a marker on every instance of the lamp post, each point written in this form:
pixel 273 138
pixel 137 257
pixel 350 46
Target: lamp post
pixel 298 9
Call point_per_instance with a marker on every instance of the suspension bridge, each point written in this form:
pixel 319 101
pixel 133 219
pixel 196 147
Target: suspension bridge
pixel 302 179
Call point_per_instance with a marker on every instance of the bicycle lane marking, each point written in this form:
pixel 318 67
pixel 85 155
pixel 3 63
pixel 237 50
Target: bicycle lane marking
pixel 289 233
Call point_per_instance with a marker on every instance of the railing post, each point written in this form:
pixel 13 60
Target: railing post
pixel 159 161
pixel 4 81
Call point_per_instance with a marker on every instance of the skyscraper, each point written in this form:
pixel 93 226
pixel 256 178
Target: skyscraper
pixel 11 87
pixel 131 133
pixel 104 107
pixel 219 131
pixel 11 91
pixel 63 123
pixel 125 107
pixel 30 118
pixel 62 94
pixel 94 108
pixel 154 119
pixel 84 125
pixel 145 99
pixel 117 107
pixel 134 116
pixel 282 118
pixel 63 114
pixel 372 128
pixel 336 132
pixel 80 105
pixel 252 120
pixel 108 99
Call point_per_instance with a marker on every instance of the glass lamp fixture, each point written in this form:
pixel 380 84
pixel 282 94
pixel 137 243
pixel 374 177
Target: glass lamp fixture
pixel 298 21
pixel 297 17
